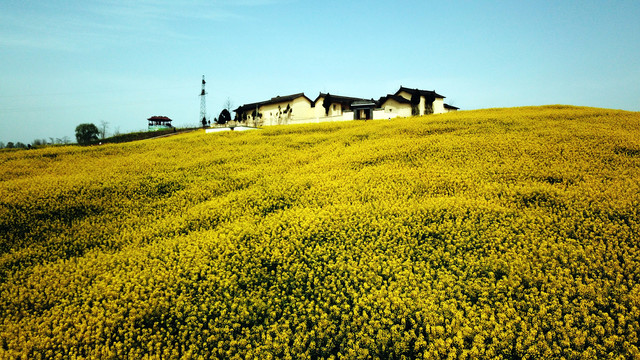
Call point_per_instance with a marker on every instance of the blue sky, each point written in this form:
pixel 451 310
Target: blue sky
pixel 63 63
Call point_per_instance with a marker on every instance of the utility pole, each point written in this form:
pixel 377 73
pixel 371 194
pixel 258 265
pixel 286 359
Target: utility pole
pixel 203 104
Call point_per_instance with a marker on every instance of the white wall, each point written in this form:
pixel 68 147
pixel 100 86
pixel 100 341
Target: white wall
pixel 397 109
pixel 347 115
pixel 334 110
pixel 382 114
pixel 438 106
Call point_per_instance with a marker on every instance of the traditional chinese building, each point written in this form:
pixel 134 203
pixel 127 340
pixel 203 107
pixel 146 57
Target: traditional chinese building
pixel 298 108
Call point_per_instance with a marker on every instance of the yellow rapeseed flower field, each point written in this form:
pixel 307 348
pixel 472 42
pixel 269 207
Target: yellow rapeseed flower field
pixel 500 233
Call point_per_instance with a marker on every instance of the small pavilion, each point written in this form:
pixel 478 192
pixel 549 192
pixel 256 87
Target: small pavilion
pixel 159 123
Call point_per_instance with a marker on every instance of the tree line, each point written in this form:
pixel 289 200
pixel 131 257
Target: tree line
pixel 36 142
pixel 85 134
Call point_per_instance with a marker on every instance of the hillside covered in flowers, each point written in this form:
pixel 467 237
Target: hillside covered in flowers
pixel 500 233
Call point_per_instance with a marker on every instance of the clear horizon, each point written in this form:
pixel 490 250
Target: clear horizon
pixel 67 63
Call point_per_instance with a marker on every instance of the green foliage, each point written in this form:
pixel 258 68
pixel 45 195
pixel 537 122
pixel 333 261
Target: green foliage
pixel 86 134
pixel 415 103
pixel 326 103
pixel 502 233
pixel 224 117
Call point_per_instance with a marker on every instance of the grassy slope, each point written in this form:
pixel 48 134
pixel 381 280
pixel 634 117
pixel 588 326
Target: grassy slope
pixel 494 233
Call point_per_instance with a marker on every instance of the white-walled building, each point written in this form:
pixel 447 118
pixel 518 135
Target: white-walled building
pixel 298 108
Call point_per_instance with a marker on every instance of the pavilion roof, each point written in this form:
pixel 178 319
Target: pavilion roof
pixel 159 118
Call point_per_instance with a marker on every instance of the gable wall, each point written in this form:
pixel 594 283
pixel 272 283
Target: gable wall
pixel 334 110
pixel 392 106
pixel 405 95
pixel 271 115
pixel 438 106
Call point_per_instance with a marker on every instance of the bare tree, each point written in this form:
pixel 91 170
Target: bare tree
pixel 104 125
pixel 228 105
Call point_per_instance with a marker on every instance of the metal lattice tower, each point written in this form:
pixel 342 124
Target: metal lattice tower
pixel 203 104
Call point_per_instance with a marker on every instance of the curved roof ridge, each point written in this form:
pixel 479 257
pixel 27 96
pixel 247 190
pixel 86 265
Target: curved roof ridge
pixel 419 92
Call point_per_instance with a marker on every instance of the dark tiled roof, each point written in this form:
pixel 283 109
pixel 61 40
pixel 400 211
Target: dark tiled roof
pixel 364 103
pixel 447 106
pixel 337 99
pixel 278 99
pixel 420 92
pixel 397 98
pixel 273 100
pixel 251 106
pixel 159 118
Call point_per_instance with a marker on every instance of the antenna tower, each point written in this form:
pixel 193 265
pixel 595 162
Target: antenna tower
pixel 203 104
